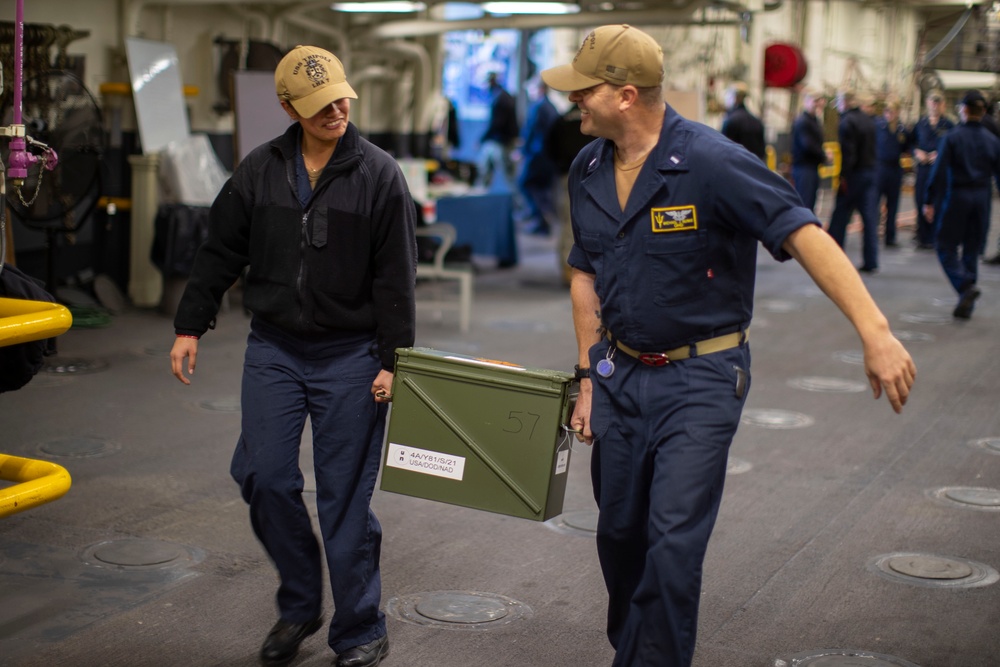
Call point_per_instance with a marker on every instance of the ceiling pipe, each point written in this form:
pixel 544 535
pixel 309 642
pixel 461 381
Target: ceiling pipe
pixel 372 73
pixel 296 15
pixel 681 15
pixel 947 39
pixel 133 11
pixel 342 47
pixel 422 78
pixel 134 8
pixel 375 74
pixel 264 22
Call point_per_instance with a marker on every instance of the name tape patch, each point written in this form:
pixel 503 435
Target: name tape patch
pixel 674 219
pixel 425 462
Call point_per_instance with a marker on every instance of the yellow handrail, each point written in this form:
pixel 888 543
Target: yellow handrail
pixel 22 320
pixel 832 170
pixel 40 482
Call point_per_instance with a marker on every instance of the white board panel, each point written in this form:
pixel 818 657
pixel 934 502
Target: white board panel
pixel 157 92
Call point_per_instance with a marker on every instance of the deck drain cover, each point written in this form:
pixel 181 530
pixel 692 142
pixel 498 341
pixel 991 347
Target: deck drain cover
pixel 827 385
pixel 139 554
pixel 991 445
pixel 581 522
pixel 842 658
pixel 780 306
pixel 735 466
pixel 78 447
pixel 59 366
pixel 929 567
pixel 461 608
pixel 926 318
pixel 778 419
pixel 856 357
pixel 225 404
pixel 468 610
pixel 935 571
pixel 914 336
pixel 969 496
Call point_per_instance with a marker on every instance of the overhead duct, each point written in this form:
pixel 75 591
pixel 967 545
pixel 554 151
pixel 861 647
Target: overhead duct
pixel 134 8
pixel 678 15
pixel 342 45
pixel 681 13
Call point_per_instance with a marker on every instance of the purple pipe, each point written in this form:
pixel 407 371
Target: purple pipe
pixel 20 159
pixel 18 59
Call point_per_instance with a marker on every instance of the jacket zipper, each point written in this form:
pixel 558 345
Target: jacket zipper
pixel 300 278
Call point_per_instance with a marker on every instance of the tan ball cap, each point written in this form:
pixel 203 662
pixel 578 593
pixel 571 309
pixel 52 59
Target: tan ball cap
pixel 617 54
pixel 310 79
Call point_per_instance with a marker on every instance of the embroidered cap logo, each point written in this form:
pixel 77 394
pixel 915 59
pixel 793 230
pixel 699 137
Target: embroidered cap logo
pixel 315 71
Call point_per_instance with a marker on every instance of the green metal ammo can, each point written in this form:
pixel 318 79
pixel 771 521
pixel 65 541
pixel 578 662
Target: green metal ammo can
pixel 478 433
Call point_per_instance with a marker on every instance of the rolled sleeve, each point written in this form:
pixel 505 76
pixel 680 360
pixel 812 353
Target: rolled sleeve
pixel 782 227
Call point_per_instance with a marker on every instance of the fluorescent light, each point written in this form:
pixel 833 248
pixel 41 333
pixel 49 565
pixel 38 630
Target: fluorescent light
pixel 460 11
pixel 391 7
pixel 530 8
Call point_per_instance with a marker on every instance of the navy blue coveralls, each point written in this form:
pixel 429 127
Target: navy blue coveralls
pixel 926 138
pixel 857 191
pixel 807 156
pixel 890 144
pixel 675 268
pixel 968 157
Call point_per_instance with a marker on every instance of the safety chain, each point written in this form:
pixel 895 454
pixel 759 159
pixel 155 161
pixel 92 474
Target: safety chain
pixel 38 187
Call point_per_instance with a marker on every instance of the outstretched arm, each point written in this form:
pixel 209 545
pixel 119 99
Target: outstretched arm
pixel 887 363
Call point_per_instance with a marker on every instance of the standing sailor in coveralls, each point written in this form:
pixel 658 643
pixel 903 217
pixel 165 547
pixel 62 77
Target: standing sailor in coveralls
pixel 967 159
pixel 892 141
pixel 666 217
pixel 808 153
pixel 928 131
pixel 857 189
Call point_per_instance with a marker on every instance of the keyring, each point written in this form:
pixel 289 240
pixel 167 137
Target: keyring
pixel 568 439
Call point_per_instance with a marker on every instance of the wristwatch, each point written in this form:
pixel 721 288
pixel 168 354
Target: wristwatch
pixel 581 373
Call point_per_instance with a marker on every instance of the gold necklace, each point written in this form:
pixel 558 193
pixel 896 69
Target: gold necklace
pixel 635 162
pixel 621 165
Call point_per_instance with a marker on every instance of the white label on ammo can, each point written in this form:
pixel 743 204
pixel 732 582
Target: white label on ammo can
pixel 425 461
pixel 562 461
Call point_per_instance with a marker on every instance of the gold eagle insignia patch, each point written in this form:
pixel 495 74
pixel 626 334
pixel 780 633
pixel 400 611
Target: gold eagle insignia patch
pixel 674 219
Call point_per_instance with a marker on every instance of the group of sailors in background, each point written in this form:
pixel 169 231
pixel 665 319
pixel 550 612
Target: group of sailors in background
pixel 954 165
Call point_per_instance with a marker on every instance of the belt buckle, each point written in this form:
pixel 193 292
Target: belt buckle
pixel 654 358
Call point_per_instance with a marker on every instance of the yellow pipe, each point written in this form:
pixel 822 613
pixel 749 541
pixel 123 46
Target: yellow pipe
pixel 832 170
pixel 22 320
pixel 40 482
